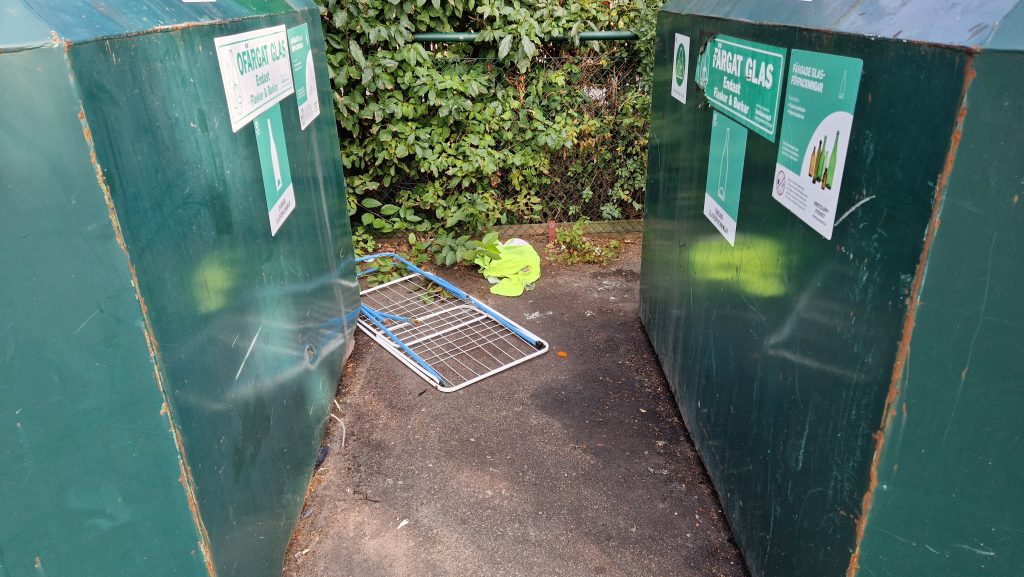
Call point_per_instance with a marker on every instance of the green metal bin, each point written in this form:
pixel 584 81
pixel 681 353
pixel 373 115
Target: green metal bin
pixel 168 351
pixel 833 253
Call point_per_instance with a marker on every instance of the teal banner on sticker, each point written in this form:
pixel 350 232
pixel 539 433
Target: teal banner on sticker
pixel 725 174
pixel 277 173
pixel 817 120
pixel 744 80
pixel 304 74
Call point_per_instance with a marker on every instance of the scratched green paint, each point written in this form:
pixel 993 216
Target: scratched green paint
pixel 960 412
pixel 89 480
pixel 781 350
pixel 249 330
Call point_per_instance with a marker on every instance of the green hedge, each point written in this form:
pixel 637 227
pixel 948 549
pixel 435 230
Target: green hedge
pixel 446 140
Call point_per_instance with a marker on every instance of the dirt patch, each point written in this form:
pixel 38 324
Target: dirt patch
pixel 567 465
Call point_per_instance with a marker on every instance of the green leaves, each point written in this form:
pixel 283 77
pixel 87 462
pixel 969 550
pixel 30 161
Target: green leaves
pixel 504 46
pixel 357 53
pixel 529 49
pixel 443 140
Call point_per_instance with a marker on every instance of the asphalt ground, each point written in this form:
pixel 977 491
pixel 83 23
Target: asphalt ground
pixel 567 465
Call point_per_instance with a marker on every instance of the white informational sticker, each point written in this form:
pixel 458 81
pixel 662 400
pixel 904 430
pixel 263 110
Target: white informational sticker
pixel 816 127
pixel 306 97
pixel 680 67
pixel 725 174
pixel 256 71
pixel 274 164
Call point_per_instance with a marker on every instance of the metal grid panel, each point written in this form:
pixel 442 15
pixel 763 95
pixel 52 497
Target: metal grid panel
pixel 411 296
pixel 473 350
pixel 456 339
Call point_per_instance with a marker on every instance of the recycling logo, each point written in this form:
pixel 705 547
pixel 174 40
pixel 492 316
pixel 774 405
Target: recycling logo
pixel 703 74
pixel 680 76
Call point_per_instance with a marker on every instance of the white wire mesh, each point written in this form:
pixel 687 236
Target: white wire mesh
pixel 458 340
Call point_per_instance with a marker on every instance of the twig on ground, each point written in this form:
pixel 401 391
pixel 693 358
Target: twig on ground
pixel 337 418
pixel 365 496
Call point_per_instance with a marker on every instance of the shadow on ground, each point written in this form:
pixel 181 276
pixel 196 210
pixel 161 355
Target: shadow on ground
pixel 573 465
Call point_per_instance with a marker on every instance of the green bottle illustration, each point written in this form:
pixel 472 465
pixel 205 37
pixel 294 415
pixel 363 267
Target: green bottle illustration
pixel 273 157
pixel 723 167
pixel 832 161
pixel 812 163
pixel 821 160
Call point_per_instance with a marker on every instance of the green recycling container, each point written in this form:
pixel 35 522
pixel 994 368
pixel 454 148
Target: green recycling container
pixel 832 261
pixel 178 284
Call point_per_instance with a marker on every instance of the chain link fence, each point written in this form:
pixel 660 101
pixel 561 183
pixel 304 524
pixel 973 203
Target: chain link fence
pixel 601 176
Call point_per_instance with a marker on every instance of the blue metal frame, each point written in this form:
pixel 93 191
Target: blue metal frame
pixel 459 293
pixel 377 319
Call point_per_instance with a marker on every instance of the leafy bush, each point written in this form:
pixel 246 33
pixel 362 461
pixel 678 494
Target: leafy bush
pixel 447 140
pixel 571 246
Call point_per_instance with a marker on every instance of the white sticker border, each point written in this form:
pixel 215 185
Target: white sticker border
pixel 679 93
pixel 223 42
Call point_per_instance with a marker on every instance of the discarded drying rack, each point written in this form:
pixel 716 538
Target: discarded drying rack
pixel 444 335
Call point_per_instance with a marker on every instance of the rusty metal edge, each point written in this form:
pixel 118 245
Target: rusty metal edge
pixel 169 28
pixel 892 399
pixel 185 477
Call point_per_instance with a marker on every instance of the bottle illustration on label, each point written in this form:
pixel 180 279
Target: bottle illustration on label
pixel 817 161
pixel 723 167
pixel 817 165
pixel 822 160
pixel 810 165
pixel 832 162
pixel 842 87
pixel 273 157
pixel 310 77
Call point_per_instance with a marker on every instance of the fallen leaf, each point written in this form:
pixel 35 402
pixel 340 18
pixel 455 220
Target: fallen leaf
pixel 563 354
